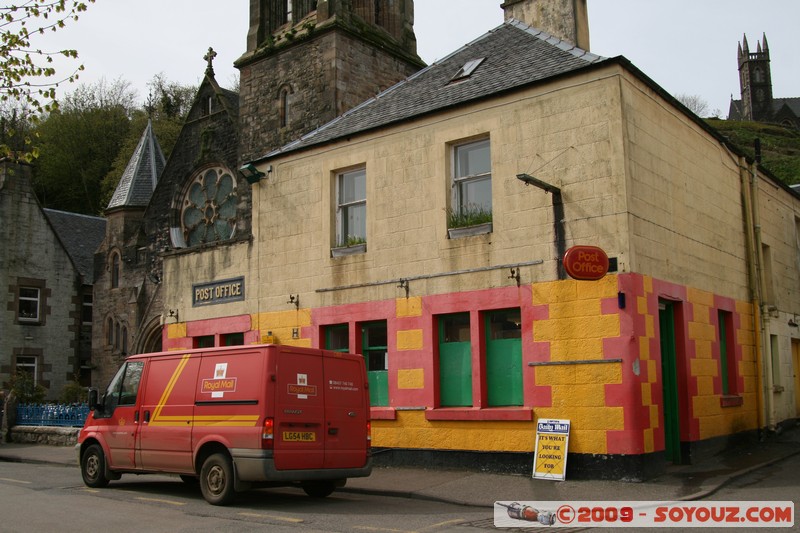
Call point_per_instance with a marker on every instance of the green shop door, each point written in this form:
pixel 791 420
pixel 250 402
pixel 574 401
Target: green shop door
pixel 455 361
pixel 374 347
pixel 504 358
pixel 669 382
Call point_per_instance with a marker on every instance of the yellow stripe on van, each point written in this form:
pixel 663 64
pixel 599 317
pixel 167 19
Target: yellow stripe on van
pixel 168 390
pixel 206 420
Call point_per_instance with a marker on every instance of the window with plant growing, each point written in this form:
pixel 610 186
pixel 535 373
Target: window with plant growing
pixel 472 185
pixel 351 208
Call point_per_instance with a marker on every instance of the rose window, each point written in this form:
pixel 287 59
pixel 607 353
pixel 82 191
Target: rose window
pixel 209 208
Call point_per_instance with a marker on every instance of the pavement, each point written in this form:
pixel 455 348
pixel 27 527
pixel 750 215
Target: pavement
pixel 679 483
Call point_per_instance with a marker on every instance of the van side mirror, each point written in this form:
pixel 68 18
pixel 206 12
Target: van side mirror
pixel 93 399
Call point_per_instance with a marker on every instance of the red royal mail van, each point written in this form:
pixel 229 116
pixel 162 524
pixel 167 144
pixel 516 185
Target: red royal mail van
pixel 232 418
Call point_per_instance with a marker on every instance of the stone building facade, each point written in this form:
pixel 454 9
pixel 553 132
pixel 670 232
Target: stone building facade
pixel 46 325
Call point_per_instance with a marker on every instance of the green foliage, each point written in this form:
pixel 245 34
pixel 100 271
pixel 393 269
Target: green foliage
pixel 78 145
pixel 25 390
pixel 780 146
pixel 73 392
pixel 468 215
pixel 27 74
pixel 353 240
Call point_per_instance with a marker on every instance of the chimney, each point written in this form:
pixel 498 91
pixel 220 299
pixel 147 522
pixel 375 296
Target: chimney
pixel 567 20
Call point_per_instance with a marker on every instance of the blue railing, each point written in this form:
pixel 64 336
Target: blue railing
pixel 73 415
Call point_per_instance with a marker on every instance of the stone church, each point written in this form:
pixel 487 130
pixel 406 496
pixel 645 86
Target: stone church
pixel 758 104
pixel 352 198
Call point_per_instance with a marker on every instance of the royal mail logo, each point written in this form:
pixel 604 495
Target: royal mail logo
pixel 308 390
pixel 302 389
pixel 219 385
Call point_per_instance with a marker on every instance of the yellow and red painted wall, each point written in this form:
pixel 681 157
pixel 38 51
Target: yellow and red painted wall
pixel 591 353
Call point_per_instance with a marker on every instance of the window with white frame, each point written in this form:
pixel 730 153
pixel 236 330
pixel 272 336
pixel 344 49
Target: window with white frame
pixel 472 184
pixel 29 306
pixel 28 365
pixel 351 208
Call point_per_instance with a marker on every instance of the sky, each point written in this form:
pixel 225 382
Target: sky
pixel 686 46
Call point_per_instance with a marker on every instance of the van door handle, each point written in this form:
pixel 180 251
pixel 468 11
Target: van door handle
pixel 333 431
pixel 147 416
pixel 352 413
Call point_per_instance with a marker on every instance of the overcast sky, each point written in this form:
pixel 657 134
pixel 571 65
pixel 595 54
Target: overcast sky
pixel 687 47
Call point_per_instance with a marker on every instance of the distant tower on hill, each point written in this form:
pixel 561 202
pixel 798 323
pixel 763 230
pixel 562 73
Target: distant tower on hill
pixel 755 81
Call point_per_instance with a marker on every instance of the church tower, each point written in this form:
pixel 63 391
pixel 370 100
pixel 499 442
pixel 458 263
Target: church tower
pixel 755 81
pixel 567 20
pixel 309 61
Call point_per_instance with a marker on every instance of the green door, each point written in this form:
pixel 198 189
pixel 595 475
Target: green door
pixel 374 347
pixel 669 382
pixel 504 358
pixel 455 361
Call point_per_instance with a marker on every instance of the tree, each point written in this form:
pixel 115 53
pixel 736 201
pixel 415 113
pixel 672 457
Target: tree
pixel 79 142
pixel 695 103
pixel 27 75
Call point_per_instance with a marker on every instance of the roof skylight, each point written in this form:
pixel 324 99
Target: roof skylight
pixel 468 68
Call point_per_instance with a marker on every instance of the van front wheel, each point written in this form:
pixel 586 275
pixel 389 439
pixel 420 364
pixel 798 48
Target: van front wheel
pixel 93 467
pixel 216 480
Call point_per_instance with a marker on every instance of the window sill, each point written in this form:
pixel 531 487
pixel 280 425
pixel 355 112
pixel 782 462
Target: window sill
pixel 731 401
pixel 383 413
pixel 522 414
pixel 344 251
pixel 469 231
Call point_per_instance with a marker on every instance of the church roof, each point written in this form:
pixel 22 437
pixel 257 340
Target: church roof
pixel 140 177
pixel 736 110
pixel 513 55
pixel 80 235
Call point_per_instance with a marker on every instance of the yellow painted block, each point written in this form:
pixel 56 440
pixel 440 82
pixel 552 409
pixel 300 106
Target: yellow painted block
pixel 587 418
pixel 579 395
pixel 555 375
pixel 412 378
pixel 588 441
pixel 699 331
pixel 576 349
pixel 652 371
pixel 745 337
pixel 655 420
pixel 649 326
pixel 704 406
pixel 702 314
pixel 176 331
pixel 744 308
pixel 409 340
pixel 647 394
pixel 575 309
pixel 641 305
pixel 554 291
pixel 648 441
pixel 601 374
pixel 644 348
pixel 711 426
pixel 705 386
pixel 702 349
pixel 407 307
pixel 704 367
pixel 607 287
pixel 748 353
pixel 698 296
pixel 648 284
pixel 604 326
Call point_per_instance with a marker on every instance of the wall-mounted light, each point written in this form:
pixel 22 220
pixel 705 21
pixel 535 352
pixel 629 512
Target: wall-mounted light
pixel 294 299
pixel 173 314
pixel 527 179
pixel 792 323
pixel 405 286
pixel 252 174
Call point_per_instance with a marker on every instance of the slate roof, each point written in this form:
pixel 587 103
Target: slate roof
pixel 736 110
pixel 80 235
pixel 139 179
pixel 515 55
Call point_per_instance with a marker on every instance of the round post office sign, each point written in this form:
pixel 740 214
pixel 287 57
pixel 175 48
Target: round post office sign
pixel 586 262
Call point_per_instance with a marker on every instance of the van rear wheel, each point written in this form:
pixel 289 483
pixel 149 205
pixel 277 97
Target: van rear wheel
pixel 93 467
pixel 216 479
pixel 319 489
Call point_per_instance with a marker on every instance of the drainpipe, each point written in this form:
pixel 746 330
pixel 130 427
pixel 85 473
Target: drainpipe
pixel 752 271
pixel 762 285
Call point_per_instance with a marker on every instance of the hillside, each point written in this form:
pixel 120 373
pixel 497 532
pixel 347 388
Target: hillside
pixel 780 147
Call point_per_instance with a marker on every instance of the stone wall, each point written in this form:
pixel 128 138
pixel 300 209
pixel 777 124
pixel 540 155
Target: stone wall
pixel 51 436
